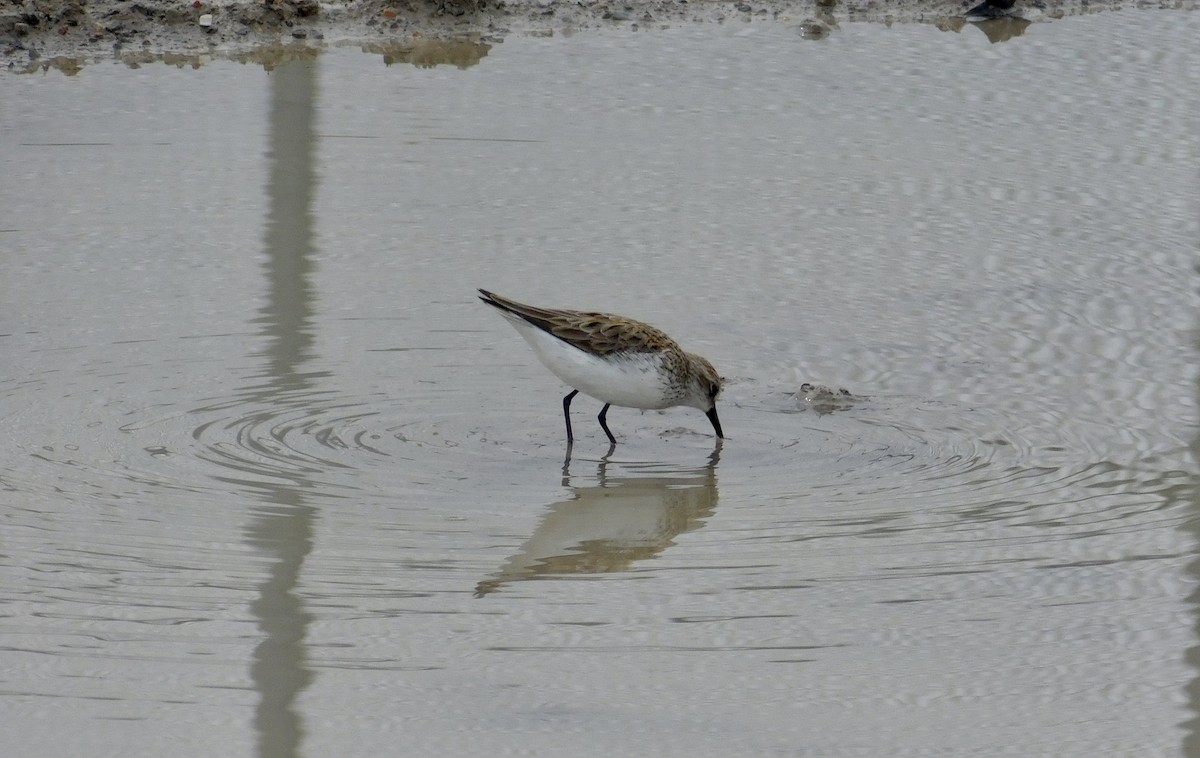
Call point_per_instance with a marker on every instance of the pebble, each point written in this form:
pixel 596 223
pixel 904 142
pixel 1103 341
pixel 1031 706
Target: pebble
pixel 813 30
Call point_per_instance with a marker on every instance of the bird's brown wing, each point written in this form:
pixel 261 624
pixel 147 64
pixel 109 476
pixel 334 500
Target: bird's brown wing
pixel 595 333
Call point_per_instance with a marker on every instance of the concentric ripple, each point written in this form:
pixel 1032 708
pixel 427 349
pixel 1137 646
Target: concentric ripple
pixel 935 474
pixel 287 441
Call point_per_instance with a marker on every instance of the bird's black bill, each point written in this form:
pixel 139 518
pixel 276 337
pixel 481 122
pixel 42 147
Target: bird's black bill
pixel 716 422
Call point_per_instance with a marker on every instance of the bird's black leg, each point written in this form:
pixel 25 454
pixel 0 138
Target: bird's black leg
pixel 604 423
pixel 567 414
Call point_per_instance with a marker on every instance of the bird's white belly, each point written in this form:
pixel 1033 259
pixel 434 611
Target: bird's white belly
pixel 633 380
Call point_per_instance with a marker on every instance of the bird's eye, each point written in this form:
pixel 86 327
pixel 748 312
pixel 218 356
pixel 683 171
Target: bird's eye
pixel 713 391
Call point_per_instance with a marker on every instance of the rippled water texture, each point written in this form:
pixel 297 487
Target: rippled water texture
pixel 274 482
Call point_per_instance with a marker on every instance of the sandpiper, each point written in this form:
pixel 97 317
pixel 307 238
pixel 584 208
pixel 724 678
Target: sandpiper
pixel 614 359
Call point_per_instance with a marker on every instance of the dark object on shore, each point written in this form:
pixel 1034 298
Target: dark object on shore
pixel 991 9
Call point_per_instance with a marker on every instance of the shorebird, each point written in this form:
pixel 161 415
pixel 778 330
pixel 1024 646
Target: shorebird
pixel 614 359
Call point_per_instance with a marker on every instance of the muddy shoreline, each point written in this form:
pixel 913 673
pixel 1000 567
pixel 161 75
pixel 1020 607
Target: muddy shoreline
pixel 67 34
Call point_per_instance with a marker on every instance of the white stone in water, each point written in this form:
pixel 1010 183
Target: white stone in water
pixel 206 19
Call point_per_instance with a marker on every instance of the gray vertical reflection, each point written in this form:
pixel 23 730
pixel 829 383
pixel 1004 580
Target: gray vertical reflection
pixel 1191 497
pixel 282 530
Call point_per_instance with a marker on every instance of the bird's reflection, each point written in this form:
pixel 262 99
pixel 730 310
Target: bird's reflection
pixel 631 512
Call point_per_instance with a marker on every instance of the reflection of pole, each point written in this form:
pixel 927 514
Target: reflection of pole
pixel 289 239
pixel 283 533
pixel 282 530
pixel 1191 736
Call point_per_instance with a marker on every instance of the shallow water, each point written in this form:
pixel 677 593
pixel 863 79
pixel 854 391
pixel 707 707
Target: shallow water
pixel 274 482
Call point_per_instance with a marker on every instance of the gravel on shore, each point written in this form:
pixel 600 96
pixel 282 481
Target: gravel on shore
pixel 67 34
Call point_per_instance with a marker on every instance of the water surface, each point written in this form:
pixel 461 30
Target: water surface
pixel 275 482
